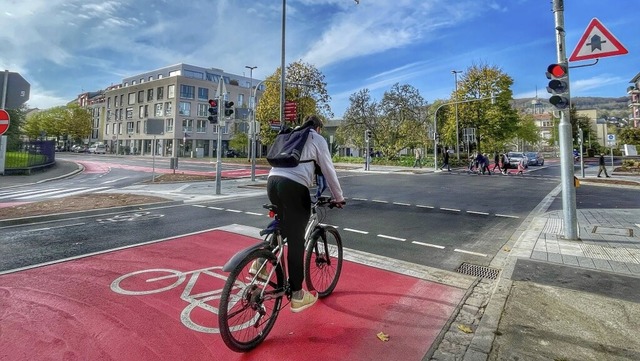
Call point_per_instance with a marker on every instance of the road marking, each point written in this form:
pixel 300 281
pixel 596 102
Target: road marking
pixel 423 206
pixel 114 180
pixel 355 230
pixel 469 252
pixel 49 228
pixel 506 215
pixel 379 201
pixel 428 244
pixel 476 212
pixel 359 199
pixel 216 208
pixel 391 237
pixel 19 193
pixel 450 209
pixel 254 213
pixel 401 204
pixel 80 192
pixel 200 206
pixel 48 193
pixel 233 210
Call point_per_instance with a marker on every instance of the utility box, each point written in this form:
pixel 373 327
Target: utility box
pixel 199 152
pixel 173 163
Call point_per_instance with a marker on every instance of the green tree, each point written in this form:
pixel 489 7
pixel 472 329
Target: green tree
pixel 55 122
pixel 629 136
pixel 16 123
pixel 306 87
pixel 238 141
pixel 577 121
pixel 397 122
pixel 495 120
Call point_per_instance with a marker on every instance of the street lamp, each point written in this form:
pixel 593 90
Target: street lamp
pixel 250 100
pixel 282 71
pixel 455 75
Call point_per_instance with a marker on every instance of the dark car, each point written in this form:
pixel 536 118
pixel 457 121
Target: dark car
pixel 535 158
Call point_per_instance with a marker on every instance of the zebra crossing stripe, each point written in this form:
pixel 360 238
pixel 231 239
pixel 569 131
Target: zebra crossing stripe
pixel 20 193
pixel 79 192
pixel 46 194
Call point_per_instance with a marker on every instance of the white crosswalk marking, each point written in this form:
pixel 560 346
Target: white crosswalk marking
pixel 21 193
pixel 80 192
pixel 47 194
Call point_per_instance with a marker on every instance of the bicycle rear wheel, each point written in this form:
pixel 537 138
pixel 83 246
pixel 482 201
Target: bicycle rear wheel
pixel 249 304
pixel 323 260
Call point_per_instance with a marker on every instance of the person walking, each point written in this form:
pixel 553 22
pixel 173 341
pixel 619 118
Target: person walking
pixel 445 157
pixel 288 189
pixel 505 164
pixel 496 162
pixel 601 166
pixel 521 166
pixel 417 153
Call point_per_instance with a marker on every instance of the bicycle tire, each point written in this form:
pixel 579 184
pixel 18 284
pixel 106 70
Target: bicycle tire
pixel 322 273
pixel 242 327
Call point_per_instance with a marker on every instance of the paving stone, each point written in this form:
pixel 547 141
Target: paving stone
pixel 554 257
pixel 586 262
pixel 570 260
pixel 539 255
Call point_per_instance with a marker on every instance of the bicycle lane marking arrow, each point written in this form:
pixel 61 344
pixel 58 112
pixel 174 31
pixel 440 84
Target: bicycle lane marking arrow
pixel 75 300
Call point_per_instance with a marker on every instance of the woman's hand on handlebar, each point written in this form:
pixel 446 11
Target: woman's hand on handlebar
pixel 337 204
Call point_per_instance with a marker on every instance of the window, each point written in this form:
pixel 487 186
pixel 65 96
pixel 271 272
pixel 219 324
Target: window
pixel 132 98
pixel 202 126
pixel 203 110
pixel 109 103
pixel 240 100
pixel 133 82
pixel 108 115
pixel 129 112
pixel 160 92
pixel 106 129
pixel 171 91
pixel 129 127
pixel 168 108
pixel 203 93
pixel 158 112
pixel 150 77
pixel 115 101
pixel 187 91
pixel 141 96
pixel 146 111
pixel 121 99
pixel 138 127
pixel 169 125
pixel 213 77
pixel 141 111
pixel 187 125
pixel 193 74
pixel 185 109
pixel 159 76
pixel 174 73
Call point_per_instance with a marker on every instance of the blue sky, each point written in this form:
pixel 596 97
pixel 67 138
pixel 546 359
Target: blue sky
pixel 65 47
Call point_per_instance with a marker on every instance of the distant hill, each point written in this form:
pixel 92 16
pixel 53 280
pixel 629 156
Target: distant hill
pixel 609 106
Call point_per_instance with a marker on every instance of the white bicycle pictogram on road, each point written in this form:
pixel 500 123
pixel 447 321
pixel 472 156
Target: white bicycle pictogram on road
pixel 159 280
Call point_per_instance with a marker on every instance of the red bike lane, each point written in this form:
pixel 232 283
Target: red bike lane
pixel 159 301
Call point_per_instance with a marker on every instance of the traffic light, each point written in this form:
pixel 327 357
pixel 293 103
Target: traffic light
pixel 213 111
pixel 228 109
pixel 367 135
pixel 558 85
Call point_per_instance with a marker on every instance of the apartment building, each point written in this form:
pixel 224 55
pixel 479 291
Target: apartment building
pixel 634 101
pixel 178 95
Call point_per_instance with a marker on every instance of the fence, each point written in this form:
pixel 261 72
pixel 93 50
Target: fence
pixel 23 157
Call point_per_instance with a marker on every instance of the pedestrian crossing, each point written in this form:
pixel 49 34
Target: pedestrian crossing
pixel 30 195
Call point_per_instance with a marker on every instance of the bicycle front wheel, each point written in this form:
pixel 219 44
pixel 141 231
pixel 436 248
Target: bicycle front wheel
pixel 323 260
pixel 250 301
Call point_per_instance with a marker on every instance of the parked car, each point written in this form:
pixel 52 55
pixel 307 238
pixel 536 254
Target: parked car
pixel 78 148
pixel 535 158
pixel 514 159
pixel 98 148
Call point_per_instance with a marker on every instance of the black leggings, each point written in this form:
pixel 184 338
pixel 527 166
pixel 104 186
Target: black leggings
pixel 294 207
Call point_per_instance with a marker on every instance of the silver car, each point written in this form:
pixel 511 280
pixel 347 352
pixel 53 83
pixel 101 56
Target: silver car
pixel 514 159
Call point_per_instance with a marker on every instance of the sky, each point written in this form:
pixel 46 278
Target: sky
pixel 66 47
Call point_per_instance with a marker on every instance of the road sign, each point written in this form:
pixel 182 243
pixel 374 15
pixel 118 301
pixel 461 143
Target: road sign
pixel 290 111
pixel 17 90
pixel 597 42
pixel 4 121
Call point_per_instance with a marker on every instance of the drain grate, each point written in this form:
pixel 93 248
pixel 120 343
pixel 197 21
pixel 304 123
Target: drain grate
pixel 478 271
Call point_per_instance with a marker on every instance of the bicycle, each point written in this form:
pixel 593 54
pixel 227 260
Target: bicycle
pixel 252 298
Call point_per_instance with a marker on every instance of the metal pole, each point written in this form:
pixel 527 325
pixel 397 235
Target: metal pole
pixel 282 70
pixel 250 107
pixel 5 85
pixel 564 130
pixel 219 142
pixel 455 75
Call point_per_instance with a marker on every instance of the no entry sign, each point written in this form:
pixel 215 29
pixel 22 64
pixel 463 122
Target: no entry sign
pixel 4 121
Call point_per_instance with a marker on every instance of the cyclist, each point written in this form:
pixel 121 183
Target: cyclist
pixel 288 189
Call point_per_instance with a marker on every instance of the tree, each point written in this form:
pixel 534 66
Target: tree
pixel 306 87
pixel 397 122
pixel 577 121
pixel 71 120
pixel 629 136
pixel 495 121
pixel 17 117
pixel 238 141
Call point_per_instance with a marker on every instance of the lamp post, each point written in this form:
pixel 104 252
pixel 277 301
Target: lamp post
pixel 250 102
pixel 282 71
pixel 455 75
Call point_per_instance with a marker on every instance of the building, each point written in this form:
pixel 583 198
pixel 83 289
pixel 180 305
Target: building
pixel 634 101
pixel 178 95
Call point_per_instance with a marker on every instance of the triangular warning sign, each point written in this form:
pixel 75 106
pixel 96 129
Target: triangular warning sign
pixel 597 42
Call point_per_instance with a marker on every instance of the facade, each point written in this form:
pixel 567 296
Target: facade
pixel 178 95
pixel 634 101
pixel 94 103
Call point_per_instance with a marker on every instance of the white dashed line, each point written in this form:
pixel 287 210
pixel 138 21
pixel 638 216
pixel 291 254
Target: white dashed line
pixel 378 201
pixel 391 237
pixel 254 213
pixel 423 206
pixel 233 210
pixel 401 204
pixel 359 199
pixel 476 212
pixel 506 215
pixel 199 206
pixel 469 252
pixel 428 244
pixel 450 209
pixel 355 231
pixel 216 208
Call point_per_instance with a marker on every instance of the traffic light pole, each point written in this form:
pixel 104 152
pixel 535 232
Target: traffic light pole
pixel 221 122
pixel 564 130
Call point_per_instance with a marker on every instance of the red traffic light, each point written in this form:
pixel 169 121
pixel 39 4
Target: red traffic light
pixel 213 103
pixel 556 71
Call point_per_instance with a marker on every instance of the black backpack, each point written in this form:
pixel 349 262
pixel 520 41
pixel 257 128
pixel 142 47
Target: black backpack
pixel 287 148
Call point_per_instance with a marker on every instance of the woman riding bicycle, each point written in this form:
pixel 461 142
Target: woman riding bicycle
pixel 288 189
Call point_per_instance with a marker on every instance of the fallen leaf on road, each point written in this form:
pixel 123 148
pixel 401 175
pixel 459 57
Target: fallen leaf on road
pixel 382 336
pixel 465 328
